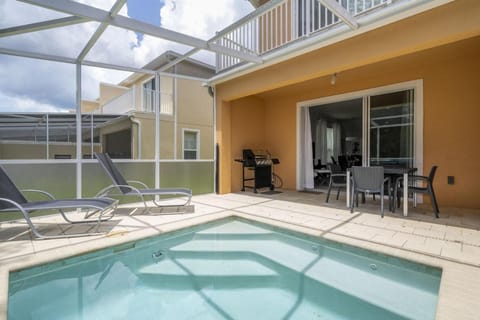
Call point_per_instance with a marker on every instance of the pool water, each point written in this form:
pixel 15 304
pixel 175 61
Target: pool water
pixel 229 269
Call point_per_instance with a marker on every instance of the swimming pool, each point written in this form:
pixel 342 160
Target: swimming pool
pixel 229 269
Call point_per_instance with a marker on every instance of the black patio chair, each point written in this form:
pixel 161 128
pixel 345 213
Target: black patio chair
pixel 338 179
pixel 425 187
pixel 13 200
pixel 125 188
pixel 370 180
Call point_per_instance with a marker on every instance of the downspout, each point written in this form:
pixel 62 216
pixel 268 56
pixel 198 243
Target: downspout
pixel 139 136
pixel 216 156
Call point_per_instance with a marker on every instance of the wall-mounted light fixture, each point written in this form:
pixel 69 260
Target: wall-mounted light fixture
pixel 333 80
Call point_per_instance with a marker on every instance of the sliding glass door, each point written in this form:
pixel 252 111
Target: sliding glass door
pixel 391 129
pixel 376 127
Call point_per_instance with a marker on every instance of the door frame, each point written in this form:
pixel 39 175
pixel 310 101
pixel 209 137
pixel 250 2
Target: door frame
pixel 416 85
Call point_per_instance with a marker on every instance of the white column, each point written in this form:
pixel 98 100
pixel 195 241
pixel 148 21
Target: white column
pixel 157 131
pixel 79 128
pixel 347 192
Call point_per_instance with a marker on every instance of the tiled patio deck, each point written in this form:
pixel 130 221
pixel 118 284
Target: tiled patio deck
pixel 451 242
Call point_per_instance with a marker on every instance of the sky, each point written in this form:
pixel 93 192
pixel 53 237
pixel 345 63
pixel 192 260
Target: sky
pixel 30 85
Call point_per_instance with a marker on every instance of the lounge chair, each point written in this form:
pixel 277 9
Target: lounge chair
pixel 125 188
pixel 13 200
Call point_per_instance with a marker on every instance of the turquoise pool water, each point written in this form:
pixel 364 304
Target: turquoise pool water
pixel 230 269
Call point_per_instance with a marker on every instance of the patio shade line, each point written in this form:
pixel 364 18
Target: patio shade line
pixel 44 25
pixel 179 59
pixel 35 55
pixel 82 10
pixel 41 56
pixel 117 6
pixel 139 70
pixel 78 9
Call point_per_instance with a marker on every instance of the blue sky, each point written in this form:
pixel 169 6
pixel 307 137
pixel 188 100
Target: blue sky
pixel 20 88
pixel 146 11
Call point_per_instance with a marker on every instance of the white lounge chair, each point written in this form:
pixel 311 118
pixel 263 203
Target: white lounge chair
pixel 13 200
pixel 121 187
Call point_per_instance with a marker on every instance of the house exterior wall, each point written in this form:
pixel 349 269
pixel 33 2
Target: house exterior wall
pixel 109 91
pixel 195 112
pixel 89 106
pixel 440 46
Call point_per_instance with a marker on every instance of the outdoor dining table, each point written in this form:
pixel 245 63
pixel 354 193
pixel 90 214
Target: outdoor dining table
pixel 390 171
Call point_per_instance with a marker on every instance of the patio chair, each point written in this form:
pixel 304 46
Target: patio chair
pixel 125 188
pixel 426 187
pixel 338 179
pixel 13 200
pixel 370 180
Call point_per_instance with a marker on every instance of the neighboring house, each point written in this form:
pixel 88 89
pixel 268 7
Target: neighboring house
pixel 122 120
pixel 390 82
pixel 186 113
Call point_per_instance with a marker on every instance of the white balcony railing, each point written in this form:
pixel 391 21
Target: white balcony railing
pixel 281 22
pixel 121 104
pixel 166 101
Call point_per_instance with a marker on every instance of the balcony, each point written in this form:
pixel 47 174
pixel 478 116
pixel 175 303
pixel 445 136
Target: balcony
pixel 278 24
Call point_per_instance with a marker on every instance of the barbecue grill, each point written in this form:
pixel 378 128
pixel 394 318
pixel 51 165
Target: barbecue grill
pixel 261 164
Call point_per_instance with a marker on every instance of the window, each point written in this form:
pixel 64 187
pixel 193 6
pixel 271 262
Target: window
pixel 149 95
pixel 191 144
pixel 392 129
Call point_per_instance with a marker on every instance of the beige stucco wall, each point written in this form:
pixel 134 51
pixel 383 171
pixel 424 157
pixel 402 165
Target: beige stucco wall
pixel 195 111
pixel 417 48
pixel 109 91
pixel 89 106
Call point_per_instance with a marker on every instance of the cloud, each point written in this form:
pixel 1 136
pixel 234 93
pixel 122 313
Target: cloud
pixel 21 104
pixel 37 85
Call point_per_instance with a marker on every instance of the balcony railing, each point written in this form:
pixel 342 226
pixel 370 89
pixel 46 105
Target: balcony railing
pixel 279 23
pixel 121 104
pixel 166 101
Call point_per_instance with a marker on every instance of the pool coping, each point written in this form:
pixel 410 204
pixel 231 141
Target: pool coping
pixel 460 281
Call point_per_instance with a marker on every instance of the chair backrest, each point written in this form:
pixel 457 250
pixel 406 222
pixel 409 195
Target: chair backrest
pixel 112 171
pixel 368 178
pixel 343 162
pixel 337 179
pixel 431 175
pixel 9 190
pixel 334 168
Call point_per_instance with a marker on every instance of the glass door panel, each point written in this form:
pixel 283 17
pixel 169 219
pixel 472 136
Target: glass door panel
pixel 391 129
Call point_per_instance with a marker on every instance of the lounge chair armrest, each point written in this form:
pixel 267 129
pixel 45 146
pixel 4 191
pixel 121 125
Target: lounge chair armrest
pixel 106 191
pixel 40 191
pixel 138 182
pixel 14 203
